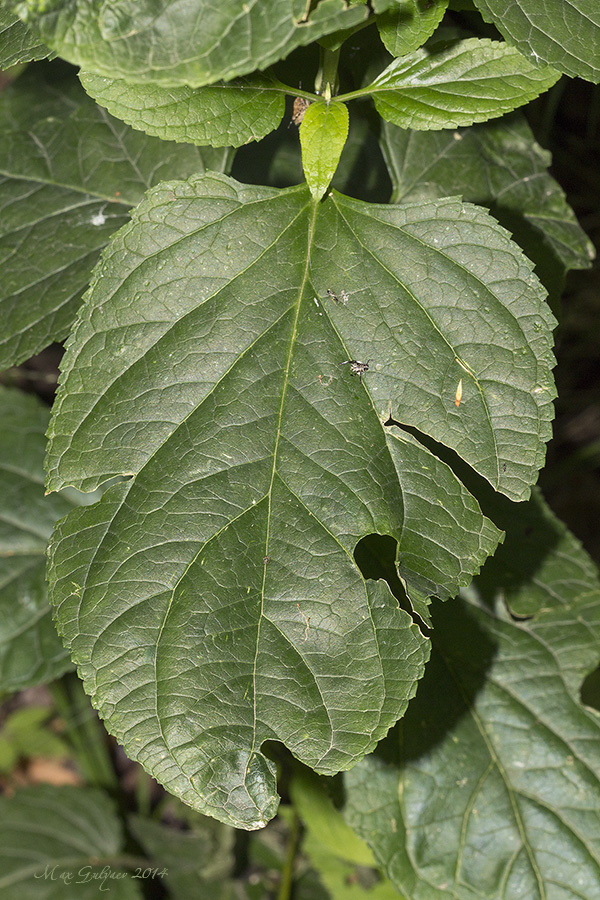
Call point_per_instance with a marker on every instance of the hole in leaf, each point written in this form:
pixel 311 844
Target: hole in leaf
pixel 590 690
pixel 375 556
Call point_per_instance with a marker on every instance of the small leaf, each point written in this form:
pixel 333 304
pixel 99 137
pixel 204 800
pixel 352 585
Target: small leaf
pixel 569 41
pixel 323 133
pixel 52 839
pixel 69 174
pixel 224 115
pixel 18 43
pixel 30 650
pixel 499 165
pixel 446 86
pixel 176 43
pixel 492 788
pixel 409 24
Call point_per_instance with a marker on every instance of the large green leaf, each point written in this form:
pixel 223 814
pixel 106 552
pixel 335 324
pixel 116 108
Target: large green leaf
pixel 493 789
pixel 499 165
pixel 449 85
pixel 30 649
pixel 212 601
pixel 409 24
pixel 57 842
pixel 223 115
pixel 18 43
pixel 174 43
pixel 566 35
pixel 69 173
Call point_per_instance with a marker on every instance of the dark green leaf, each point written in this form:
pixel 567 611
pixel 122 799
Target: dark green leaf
pixel 60 841
pixel 69 174
pixel 493 789
pixel 446 86
pixel 409 24
pixel 499 165
pixel 30 649
pixel 566 35
pixel 178 43
pixel 224 115
pixel 18 43
pixel 323 133
pixel 208 364
pixel 198 861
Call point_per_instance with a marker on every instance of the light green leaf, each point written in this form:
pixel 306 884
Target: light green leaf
pixel 323 133
pixel 224 115
pixel 446 86
pixel 18 43
pixel 209 366
pixel 499 165
pixel 409 24
pixel 69 174
pixel 566 36
pixel 51 841
pixel 178 43
pixel 326 824
pixel 345 880
pixel 28 733
pixel 493 788
pixel 30 649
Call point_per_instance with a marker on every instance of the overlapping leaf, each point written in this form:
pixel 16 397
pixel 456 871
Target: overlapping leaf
pixel 197 862
pixel 409 24
pixel 212 601
pixel 183 43
pixel 500 165
pixel 567 36
pixel 69 173
pixel 30 649
pixel 18 43
pixel 447 86
pixel 493 789
pixel 51 842
pixel 224 115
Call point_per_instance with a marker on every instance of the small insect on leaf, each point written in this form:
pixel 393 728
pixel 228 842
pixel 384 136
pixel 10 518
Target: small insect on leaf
pixel 300 106
pixel 356 367
pixel 458 395
pixel 343 297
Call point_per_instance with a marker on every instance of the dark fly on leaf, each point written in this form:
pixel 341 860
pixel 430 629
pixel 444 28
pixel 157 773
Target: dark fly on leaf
pixel 356 367
pixel 343 298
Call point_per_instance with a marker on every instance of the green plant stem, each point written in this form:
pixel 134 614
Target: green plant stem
pixel 326 82
pixel 84 732
pixel 287 874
